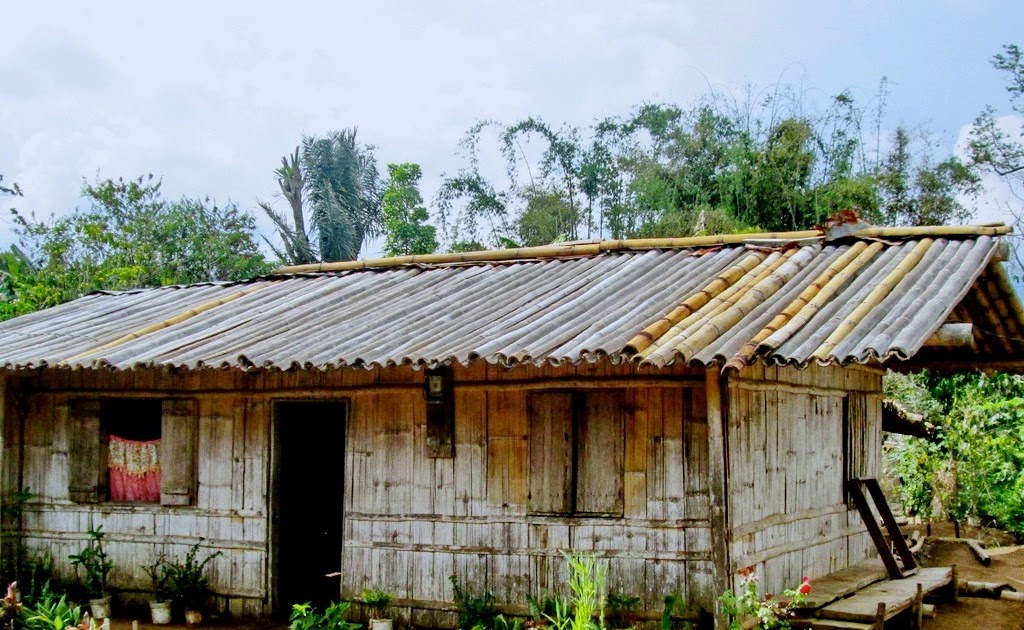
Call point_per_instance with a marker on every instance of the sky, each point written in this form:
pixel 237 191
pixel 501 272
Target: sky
pixel 209 95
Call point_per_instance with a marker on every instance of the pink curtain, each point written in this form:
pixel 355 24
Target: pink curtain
pixel 134 470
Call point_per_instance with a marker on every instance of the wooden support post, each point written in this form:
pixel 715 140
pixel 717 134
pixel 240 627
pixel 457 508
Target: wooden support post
pixel 954 587
pixel 857 494
pixel 718 485
pixel 895 535
pixel 879 617
pixel 918 608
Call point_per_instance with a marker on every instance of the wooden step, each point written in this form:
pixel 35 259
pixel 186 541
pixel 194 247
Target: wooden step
pixel 897 595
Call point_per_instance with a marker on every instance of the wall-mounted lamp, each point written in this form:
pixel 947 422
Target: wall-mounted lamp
pixel 435 386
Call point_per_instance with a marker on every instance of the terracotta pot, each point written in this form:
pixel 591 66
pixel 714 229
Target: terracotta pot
pixel 161 612
pixel 100 608
pixel 193 617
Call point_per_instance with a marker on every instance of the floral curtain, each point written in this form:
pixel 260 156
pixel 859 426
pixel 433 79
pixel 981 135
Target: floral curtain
pixel 134 470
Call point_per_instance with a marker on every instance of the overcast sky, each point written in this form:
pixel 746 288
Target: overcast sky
pixel 209 95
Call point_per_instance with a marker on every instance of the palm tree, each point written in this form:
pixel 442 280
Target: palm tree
pixel 337 178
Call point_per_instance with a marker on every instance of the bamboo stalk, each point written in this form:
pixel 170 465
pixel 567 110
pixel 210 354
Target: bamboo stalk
pixel 746 353
pixel 726 299
pixel 177 319
pixel 593 248
pixel 750 300
pixel 872 300
pixel 693 303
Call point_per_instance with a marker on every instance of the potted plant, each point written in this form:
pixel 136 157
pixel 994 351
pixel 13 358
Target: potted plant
pixel 160 606
pixel 94 562
pixel 187 584
pixel 377 600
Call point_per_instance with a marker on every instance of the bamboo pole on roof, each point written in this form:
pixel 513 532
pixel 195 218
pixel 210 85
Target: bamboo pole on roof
pixel 705 241
pixel 724 296
pixel 933 231
pixel 872 300
pixel 167 323
pixel 693 303
pixel 750 300
pixel 596 247
pixel 809 301
pixel 716 305
pixel 489 255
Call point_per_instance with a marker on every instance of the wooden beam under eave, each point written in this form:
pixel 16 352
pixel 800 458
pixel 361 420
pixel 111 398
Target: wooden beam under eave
pixel 958 336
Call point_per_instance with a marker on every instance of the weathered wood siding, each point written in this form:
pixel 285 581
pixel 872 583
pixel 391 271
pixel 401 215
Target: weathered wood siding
pixel 788 458
pixel 411 521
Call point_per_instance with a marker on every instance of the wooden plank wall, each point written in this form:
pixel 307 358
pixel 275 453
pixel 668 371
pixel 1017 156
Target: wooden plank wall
pixel 411 521
pixel 788 513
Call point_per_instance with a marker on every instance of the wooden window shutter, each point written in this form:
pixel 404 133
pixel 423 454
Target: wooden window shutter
pixel 551 452
pixel 86 461
pixel 178 451
pixel 599 462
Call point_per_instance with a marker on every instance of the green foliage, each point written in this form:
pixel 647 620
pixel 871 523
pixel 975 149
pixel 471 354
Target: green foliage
pixel 672 601
pixel 129 237
pixel 185 580
pixel 770 163
pixel 95 563
pixel 159 573
pixel 377 600
pixel 343 188
pixel 406 231
pixel 770 612
pixel 622 610
pixel 543 607
pixel 306 617
pixel 587 597
pixel 473 610
pixel 975 467
pixel 50 613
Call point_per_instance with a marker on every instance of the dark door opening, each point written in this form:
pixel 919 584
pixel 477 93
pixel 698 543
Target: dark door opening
pixel 309 501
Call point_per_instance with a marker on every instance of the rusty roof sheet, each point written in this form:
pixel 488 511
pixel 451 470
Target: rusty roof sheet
pixel 852 300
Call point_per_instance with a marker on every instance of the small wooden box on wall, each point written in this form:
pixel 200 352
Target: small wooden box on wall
pixel 437 390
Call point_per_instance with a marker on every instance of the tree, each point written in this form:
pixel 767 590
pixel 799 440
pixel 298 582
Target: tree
pixel 996 151
pixel 406 230
pixel 129 237
pixel 336 179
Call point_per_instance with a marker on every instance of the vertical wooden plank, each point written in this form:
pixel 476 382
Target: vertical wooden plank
pixel 718 482
pixel 550 452
pixel 178 439
pixel 84 457
pixel 507 449
pixel 471 466
pixel 599 464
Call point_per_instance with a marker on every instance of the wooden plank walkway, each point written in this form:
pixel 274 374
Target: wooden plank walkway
pixel 897 595
pixel 844 583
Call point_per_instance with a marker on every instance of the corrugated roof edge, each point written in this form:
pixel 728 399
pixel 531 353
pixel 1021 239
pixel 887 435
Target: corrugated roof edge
pixel 591 248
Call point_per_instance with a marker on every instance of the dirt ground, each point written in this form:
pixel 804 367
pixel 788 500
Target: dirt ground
pixel 971 612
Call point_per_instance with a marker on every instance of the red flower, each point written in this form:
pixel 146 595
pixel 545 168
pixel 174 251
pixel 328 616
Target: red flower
pixel 805 588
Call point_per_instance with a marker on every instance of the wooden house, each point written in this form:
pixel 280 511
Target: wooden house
pixel 680 408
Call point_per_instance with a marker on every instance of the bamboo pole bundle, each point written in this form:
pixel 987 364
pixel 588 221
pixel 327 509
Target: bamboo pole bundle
pixel 167 323
pixel 872 300
pixel 933 231
pixel 716 304
pixel 819 301
pixel 693 303
pixel 820 284
pixel 706 241
pixel 748 301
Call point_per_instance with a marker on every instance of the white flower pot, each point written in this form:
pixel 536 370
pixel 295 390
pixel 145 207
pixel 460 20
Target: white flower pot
pixel 161 612
pixel 193 617
pixel 381 624
pixel 100 608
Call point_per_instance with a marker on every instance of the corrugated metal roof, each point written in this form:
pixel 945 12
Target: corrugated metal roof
pixel 855 300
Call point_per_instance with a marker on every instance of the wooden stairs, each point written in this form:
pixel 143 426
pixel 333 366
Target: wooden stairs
pixel 867 595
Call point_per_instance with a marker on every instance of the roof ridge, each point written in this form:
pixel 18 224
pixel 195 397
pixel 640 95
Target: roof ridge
pixel 591 248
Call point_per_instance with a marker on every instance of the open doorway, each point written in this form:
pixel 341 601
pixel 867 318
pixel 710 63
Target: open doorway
pixel 308 505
